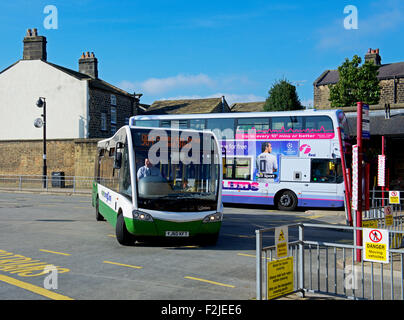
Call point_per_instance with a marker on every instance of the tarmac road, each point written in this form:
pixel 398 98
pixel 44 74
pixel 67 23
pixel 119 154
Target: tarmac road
pixel 61 230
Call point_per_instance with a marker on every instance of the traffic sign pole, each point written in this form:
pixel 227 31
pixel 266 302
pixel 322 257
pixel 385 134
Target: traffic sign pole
pixel 359 173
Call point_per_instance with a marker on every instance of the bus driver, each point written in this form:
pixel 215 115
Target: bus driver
pixel 147 170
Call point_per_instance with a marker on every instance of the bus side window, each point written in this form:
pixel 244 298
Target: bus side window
pixel 291 122
pixel 237 168
pixel 124 173
pixel 319 122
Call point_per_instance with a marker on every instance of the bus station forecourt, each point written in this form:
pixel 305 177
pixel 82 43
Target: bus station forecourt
pixel 166 183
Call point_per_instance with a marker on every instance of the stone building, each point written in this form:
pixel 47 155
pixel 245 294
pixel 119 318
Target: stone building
pixel 79 103
pixel 248 106
pixel 386 118
pixel 186 106
pixel 390 75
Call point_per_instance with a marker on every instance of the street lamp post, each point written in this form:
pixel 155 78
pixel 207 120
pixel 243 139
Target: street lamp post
pixel 41 103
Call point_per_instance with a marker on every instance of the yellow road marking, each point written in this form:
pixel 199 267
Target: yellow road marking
pixel 55 252
pixel 124 265
pixel 34 288
pixel 212 282
pixel 112 235
pixel 313 217
pixel 249 255
pixel 82 208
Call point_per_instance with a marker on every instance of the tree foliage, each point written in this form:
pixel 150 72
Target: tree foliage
pixel 356 83
pixel 282 97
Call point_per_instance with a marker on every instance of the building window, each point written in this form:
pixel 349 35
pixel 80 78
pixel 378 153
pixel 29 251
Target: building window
pixel 113 100
pixel 113 115
pixel 113 128
pixel 103 121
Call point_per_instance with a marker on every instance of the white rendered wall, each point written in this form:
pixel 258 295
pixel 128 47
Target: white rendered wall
pixel 66 102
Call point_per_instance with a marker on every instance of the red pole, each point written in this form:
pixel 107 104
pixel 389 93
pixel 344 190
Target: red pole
pixel 383 142
pixel 346 184
pixel 367 186
pixel 360 194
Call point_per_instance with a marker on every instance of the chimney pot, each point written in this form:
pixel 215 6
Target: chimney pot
pixel 34 46
pixel 88 64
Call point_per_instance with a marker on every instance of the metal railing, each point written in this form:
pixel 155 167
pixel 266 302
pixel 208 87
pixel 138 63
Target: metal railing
pixel 37 183
pixel 330 268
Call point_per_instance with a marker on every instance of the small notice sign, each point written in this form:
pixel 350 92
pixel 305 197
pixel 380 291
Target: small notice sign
pixel 280 277
pixel 381 170
pixel 375 245
pixel 394 197
pixel 281 242
pixel 388 215
pixel 370 223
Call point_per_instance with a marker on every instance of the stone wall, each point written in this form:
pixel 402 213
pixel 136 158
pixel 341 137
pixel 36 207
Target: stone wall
pixel 75 157
pixel 389 92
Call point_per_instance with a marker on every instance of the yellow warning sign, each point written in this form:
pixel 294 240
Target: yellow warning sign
pixel 376 245
pixel 280 277
pixel 281 242
pixel 389 219
pixel 394 197
pixel 369 224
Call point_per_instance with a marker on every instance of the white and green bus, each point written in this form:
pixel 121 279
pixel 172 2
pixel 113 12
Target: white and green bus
pixel 159 183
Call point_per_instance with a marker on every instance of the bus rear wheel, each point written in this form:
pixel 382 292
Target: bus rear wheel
pixel 122 234
pixel 287 201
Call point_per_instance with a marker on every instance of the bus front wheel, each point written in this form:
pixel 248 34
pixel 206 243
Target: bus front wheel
pixel 287 201
pixel 98 215
pixel 122 234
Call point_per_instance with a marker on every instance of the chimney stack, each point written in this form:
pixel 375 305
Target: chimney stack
pixel 373 55
pixel 34 46
pixel 88 64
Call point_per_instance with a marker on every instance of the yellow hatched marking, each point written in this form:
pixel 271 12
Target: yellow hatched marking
pixel 33 288
pixel 55 252
pixel 212 282
pixel 123 265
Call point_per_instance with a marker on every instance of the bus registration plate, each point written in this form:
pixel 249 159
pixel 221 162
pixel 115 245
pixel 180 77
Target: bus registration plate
pixel 177 233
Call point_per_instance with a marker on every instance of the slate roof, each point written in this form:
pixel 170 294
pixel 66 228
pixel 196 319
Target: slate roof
pixel 188 106
pixel 379 125
pixel 386 71
pixel 248 106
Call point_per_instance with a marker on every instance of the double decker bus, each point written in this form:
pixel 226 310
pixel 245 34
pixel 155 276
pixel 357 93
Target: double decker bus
pixel 286 159
pixel 159 183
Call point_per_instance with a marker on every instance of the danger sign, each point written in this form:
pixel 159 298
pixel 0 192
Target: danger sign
pixel 375 245
pixel 394 197
pixel 281 242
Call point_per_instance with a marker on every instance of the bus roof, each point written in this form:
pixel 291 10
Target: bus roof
pixel 235 115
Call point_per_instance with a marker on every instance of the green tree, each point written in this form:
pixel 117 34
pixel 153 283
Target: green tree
pixel 356 83
pixel 282 97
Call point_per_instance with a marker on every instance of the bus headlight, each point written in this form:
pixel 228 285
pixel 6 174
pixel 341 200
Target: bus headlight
pixel 142 216
pixel 213 218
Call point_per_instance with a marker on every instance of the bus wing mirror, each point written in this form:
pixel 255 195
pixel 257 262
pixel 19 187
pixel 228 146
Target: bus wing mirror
pixel 118 160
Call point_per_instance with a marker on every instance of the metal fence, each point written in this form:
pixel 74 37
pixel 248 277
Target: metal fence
pixel 330 268
pixel 62 184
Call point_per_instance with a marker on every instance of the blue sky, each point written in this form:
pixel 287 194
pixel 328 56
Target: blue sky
pixel 196 49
